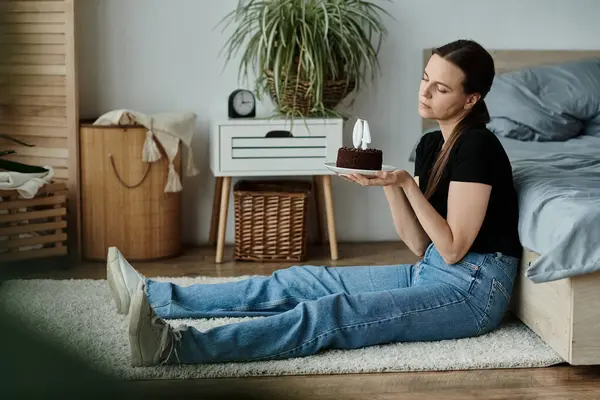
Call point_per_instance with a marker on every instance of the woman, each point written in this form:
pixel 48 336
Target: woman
pixel 459 212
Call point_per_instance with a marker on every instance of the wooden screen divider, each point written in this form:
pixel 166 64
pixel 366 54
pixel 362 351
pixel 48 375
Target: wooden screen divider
pixel 38 96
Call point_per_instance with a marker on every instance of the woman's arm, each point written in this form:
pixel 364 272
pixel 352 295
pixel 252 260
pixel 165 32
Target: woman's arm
pixel 418 223
pixel 467 205
pixel 405 220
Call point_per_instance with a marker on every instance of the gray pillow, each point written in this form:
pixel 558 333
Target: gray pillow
pixel 507 127
pixel 592 129
pixel 546 103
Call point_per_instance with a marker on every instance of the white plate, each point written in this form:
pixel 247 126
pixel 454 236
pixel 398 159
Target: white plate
pixel 350 171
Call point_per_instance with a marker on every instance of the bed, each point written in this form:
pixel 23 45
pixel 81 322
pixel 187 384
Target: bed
pixel 557 292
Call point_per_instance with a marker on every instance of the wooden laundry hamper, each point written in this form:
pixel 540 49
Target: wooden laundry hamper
pixel 33 228
pixel 270 220
pixel 123 202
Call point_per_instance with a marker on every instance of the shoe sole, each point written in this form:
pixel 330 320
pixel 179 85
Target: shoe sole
pixel 134 328
pixel 116 283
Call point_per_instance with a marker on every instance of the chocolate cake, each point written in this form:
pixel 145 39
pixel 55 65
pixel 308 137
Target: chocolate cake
pixel 370 159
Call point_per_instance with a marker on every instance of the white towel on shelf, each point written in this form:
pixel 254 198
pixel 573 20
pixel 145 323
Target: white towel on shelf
pixel 27 185
pixel 168 129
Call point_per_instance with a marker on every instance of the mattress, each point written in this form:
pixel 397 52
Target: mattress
pixel 558 184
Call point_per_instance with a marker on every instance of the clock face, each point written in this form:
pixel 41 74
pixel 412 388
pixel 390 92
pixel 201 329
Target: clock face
pixel 243 102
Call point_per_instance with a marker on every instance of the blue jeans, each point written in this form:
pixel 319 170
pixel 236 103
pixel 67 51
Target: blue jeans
pixel 308 309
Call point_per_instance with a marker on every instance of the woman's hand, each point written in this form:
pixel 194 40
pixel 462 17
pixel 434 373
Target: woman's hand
pixel 382 178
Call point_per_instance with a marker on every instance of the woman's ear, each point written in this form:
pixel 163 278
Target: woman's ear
pixel 472 99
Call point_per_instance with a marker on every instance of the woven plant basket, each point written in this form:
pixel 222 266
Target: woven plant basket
pixel 270 220
pixel 297 96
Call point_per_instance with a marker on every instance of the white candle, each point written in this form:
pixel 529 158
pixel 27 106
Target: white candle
pixel 357 133
pixel 366 136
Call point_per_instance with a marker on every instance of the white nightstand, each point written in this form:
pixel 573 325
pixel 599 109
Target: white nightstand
pixel 273 147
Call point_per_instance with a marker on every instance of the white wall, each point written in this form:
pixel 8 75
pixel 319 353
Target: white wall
pixel 162 55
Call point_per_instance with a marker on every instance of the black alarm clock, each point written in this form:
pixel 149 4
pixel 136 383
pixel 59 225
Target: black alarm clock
pixel 242 104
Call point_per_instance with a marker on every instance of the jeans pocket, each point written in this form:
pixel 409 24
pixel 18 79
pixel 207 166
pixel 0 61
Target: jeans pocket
pixel 469 265
pixel 463 275
pixel 508 265
pixel 497 304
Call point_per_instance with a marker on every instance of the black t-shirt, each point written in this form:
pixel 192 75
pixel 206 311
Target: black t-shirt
pixel 477 156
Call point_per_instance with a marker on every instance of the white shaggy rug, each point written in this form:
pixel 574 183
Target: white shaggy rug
pixel 80 314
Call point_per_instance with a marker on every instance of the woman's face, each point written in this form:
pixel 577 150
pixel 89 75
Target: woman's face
pixel 441 95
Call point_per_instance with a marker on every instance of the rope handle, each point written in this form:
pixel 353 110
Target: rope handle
pixel 112 162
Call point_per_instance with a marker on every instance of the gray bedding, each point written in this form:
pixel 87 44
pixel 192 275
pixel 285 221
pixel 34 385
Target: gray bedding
pixel 559 195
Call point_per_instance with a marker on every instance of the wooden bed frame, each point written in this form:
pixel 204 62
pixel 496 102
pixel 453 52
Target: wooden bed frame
pixel 564 313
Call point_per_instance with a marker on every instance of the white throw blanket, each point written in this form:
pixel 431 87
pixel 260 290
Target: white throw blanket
pixel 27 185
pixel 168 129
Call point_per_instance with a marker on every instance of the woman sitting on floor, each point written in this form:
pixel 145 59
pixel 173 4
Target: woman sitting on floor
pixel 459 213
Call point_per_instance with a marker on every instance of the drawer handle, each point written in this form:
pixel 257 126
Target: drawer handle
pixel 279 134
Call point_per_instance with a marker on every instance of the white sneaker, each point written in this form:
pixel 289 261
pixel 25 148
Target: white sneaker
pixel 122 279
pixel 152 339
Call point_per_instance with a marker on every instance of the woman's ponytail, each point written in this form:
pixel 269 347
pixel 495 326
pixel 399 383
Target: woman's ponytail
pixel 479 114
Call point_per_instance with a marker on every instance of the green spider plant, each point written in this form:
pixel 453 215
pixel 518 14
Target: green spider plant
pixel 306 43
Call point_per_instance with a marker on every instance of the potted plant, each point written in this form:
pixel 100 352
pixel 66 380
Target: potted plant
pixel 308 55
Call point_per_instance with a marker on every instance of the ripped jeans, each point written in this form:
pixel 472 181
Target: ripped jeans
pixel 308 309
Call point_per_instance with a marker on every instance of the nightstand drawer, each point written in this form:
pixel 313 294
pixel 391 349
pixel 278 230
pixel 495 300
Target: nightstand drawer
pixel 260 147
pixel 296 130
pixel 277 147
pixel 278 152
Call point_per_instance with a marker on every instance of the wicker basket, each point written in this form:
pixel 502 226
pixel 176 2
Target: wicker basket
pixel 298 96
pixel 270 220
pixel 123 202
pixel 36 227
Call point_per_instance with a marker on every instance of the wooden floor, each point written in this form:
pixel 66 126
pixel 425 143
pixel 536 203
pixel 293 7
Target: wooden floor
pixel 560 382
